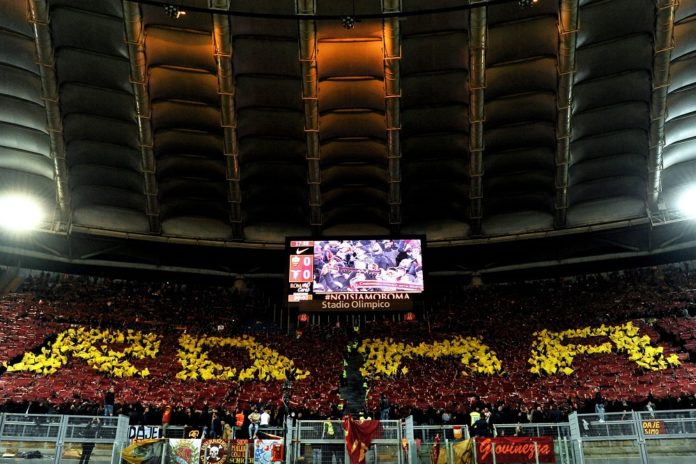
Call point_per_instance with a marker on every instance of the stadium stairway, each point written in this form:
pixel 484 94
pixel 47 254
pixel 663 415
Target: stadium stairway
pixel 353 390
pixel 10 280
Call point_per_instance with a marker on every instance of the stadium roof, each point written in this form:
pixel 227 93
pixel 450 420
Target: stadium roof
pixel 507 135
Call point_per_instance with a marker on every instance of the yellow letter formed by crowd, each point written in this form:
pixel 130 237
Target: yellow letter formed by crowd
pixel 383 357
pixel 92 345
pixel 550 355
pixel 267 364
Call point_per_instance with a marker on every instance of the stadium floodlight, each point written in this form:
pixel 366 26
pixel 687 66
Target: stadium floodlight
pixel 19 212
pixel 174 11
pixel 687 202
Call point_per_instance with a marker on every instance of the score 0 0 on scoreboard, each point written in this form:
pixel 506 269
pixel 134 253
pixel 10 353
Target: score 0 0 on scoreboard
pixel 301 270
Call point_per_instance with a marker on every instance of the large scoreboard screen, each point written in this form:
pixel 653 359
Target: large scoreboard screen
pixel 317 268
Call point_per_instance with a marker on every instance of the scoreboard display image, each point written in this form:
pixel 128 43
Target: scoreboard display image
pixel 354 266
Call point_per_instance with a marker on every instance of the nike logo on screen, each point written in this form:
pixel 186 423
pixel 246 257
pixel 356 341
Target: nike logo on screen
pixel 300 251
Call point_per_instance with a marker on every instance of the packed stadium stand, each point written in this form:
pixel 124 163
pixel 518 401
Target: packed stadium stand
pixel 651 304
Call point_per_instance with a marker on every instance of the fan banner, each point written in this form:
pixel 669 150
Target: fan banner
pixel 462 452
pixel 653 427
pixel 239 450
pixel 144 432
pixel 515 450
pixel 193 432
pixel 213 451
pixel 268 451
pixel 148 451
pixel 184 451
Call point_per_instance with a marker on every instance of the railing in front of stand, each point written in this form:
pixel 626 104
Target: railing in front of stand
pixel 49 438
pixel 644 437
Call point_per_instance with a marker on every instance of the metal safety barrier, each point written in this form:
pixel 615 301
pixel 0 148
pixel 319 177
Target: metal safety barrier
pixel 645 437
pixel 48 438
pixel 552 429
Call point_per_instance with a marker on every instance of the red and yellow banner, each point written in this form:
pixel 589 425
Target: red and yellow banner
pixel 515 450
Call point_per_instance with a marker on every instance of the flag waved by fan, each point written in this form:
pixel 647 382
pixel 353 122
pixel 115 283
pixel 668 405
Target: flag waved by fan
pixel 359 436
pixel 436 449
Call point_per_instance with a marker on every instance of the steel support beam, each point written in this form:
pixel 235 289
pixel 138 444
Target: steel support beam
pixel 392 102
pixel 39 17
pixel 23 252
pixel 135 38
pixel 310 94
pixel 567 44
pixel 226 88
pixel 477 86
pixel 664 43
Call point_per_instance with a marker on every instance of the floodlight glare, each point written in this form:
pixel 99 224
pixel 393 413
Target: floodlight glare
pixel 687 202
pixel 19 212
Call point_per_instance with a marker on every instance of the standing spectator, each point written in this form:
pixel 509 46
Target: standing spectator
pixel 166 418
pixel 627 410
pixel 149 416
pixel 215 426
pixel 327 429
pixel 446 417
pixel 227 432
pixel 384 407
pixel 109 400
pixel 135 416
pixel 205 416
pixel 599 404
pixel 480 428
pixel 238 422
pixel 650 407
pixel 537 415
pixel 265 418
pixel 90 431
pixel 475 415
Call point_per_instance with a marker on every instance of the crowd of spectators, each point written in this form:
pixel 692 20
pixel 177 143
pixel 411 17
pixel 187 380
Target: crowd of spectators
pixel 20 328
pixel 49 304
pixel 505 316
pixel 121 303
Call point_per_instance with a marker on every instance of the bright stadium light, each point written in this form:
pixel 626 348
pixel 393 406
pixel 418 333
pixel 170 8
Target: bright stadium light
pixel 19 212
pixel 687 202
